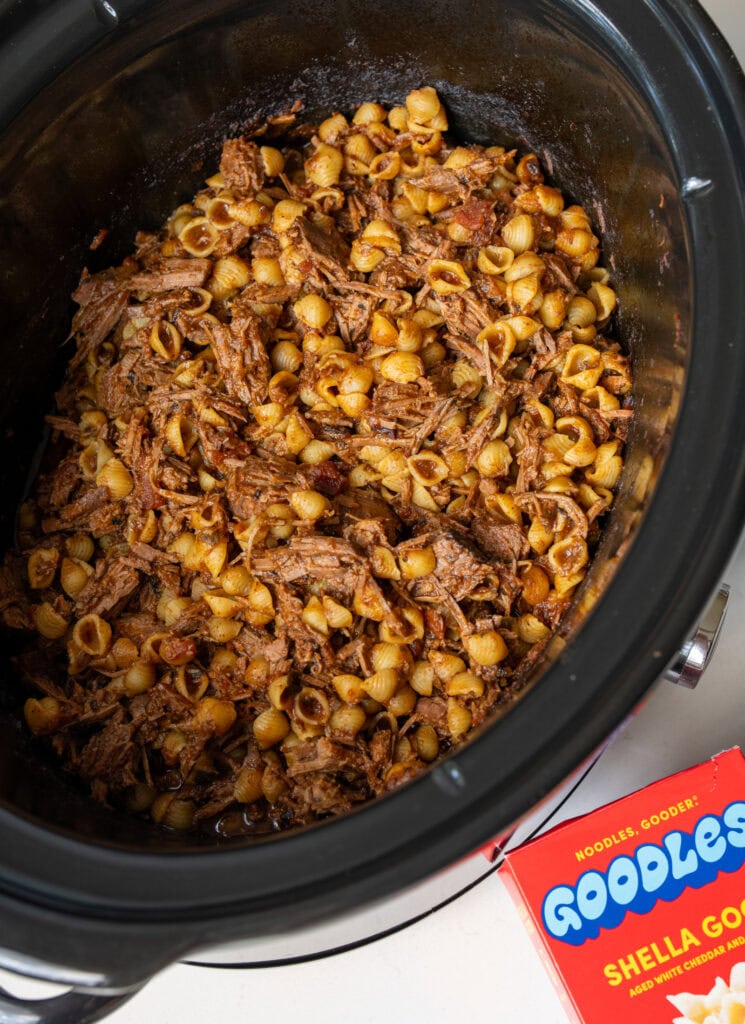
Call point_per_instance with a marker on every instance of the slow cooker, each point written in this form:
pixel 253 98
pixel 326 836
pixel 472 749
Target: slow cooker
pixel 110 110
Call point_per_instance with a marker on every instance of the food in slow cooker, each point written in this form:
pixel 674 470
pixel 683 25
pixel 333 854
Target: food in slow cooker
pixel 327 466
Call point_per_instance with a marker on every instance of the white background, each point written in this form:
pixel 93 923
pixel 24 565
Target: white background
pixel 472 958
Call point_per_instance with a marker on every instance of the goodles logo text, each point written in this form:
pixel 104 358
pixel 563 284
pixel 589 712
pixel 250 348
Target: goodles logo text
pixel 600 899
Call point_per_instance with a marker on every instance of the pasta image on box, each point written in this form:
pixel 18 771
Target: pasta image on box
pixel 638 909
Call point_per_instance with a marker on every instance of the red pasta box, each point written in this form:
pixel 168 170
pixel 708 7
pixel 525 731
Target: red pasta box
pixel 638 909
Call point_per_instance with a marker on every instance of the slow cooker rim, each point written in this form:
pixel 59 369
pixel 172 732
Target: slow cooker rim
pixel 35 846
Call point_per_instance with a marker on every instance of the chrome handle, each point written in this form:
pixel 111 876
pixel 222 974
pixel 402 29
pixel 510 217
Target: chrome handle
pixel 67 1008
pixel 690 662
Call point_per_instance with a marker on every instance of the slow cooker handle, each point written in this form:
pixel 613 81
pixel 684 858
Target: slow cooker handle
pixel 100 962
pixel 68 1008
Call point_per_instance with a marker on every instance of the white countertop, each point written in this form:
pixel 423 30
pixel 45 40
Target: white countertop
pixel 473 957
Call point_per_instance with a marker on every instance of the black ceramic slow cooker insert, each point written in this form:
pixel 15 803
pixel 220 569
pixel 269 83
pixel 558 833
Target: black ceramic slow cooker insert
pixel 110 110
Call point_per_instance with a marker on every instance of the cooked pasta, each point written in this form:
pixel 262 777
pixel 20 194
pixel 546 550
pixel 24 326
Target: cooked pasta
pixel 340 439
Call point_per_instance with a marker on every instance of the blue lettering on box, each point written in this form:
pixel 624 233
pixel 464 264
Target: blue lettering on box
pixel 637 882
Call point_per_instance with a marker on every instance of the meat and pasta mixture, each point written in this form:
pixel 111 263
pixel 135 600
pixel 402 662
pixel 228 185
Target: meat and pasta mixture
pixel 326 469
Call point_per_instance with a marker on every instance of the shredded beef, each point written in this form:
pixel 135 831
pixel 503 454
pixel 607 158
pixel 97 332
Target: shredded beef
pixel 173 273
pixel 65 481
pixel 360 506
pixel 325 247
pixel 460 567
pixel 106 591
pixel 241 165
pixel 241 357
pixel 506 541
pixel 318 795
pixel 84 506
pixel 109 755
pixel 94 322
pixel 323 755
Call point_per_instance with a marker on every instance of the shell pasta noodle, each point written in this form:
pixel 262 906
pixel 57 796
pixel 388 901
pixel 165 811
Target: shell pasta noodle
pixel 331 458
pixel 723 1004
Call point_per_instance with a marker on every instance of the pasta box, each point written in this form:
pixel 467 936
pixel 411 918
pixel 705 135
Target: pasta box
pixel 638 908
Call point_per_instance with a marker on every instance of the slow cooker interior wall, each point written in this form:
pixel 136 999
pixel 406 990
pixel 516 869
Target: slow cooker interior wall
pixel 131 130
